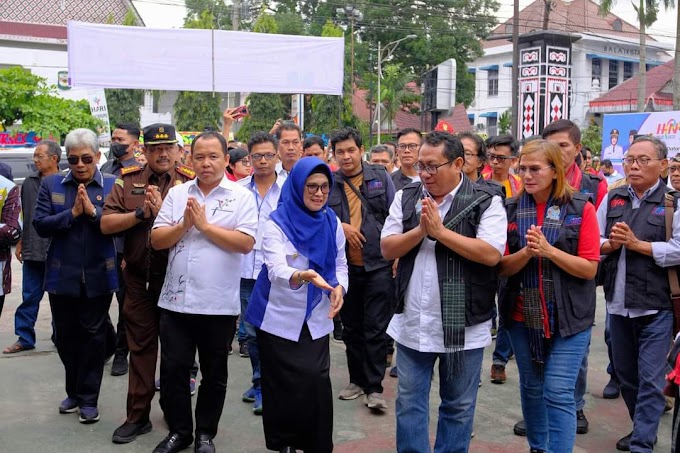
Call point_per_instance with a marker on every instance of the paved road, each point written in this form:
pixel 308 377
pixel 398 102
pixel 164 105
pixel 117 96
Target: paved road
pixel 31 387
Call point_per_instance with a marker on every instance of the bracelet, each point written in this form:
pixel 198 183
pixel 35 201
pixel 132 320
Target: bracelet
pixel 302 280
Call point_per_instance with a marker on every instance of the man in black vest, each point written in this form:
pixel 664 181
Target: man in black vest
pixel 635 281
pixel 448 234
pixel 361 198
pixel 408 146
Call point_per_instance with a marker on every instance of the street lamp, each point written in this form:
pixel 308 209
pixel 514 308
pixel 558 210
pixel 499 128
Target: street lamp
pixel 390 48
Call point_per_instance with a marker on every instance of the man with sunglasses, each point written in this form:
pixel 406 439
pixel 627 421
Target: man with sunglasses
pixel 408 147
pixel 361 198
pixel 130 210
pixel 80 275
pixel 448 234
pixel 501 152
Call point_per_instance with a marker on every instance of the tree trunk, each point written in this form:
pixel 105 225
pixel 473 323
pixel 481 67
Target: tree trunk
pixel 642 84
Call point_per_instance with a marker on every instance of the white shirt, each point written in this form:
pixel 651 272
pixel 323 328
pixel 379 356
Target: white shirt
pixel 665 254
pixel 202 278
pixel 286 309
pixel 419 327
pixel 280 171
pixel 252 262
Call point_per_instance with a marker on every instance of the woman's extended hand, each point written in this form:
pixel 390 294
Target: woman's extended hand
pixel 315 279
pixel 336 301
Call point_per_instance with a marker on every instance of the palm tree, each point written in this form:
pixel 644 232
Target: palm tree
pixel 647 14
pixel 394 93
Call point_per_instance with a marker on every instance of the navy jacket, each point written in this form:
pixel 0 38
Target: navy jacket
pixel 79 256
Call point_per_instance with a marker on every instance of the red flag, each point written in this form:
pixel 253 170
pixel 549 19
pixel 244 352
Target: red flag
pixel 444 126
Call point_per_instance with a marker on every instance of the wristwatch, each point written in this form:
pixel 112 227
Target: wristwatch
pixel 139 213
pixel 94 212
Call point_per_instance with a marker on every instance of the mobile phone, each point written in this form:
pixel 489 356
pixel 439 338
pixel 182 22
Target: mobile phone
pixel 239 112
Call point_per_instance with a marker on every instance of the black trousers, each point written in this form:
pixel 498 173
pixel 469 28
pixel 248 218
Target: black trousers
pixel 181 335
pixel 365 316
pixel 2 303
pixel 81 325
pixel 297 399
pixel 121 336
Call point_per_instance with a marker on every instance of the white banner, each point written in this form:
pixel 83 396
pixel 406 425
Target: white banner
pixel 111 56
pixel 100 110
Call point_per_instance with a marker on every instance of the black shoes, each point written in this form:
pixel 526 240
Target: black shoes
pixel 173 443
pixel 127 432
pixel 287 450
pixel 520 428
pixel 204 444
pixel 581 423
pixel 624 443
pixel 120 365
pixel 611 390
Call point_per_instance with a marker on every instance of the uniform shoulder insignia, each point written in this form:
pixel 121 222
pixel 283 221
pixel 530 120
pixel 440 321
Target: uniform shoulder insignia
pixel 120 182
pixel 186 171
pixel 129 170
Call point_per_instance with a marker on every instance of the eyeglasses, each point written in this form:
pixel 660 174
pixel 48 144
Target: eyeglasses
pixel 314 188
pixel 643 161
pixel 674 168
pixel 410 146
pixel 493 157
pixel 245 161
pixel 267 156
pixel 39 157
pixel 87 159
pixel 533 171
pixel 430 169
pixel 287 143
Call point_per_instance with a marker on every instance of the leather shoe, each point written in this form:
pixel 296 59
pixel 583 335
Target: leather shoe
pixel 624 443
pixel 204 444
pixel 520 428
pixel 611 390
pixel 127 432
pixel 173 443
pixel 581 423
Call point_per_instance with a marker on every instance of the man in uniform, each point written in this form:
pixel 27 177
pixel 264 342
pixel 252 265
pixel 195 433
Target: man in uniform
pixel 131 209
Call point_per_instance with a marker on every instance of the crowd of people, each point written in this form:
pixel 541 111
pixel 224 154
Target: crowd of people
pixel 427 248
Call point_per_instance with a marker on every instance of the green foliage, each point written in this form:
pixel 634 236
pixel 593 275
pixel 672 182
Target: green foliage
pixel 218 11
pixel 264 110
pixel 591 137
pixel 130 19
pixel 504 122
pixel 265 23
pixel 204 21
pixel 289 23
pixel 394 94
pixel 465 85
pixel 196 110
pixel 27 98
pixel 124 105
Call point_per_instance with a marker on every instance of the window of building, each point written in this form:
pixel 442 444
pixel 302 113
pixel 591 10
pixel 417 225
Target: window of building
pixel 617 25
pixel 493 83
pixel 597 69
pixel 627 70
pixel 491 126
pixel 613 73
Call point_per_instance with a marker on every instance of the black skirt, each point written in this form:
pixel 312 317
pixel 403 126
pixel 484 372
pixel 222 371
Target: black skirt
pixel 297 400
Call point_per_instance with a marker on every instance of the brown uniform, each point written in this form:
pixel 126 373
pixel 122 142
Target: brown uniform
pixel 144 273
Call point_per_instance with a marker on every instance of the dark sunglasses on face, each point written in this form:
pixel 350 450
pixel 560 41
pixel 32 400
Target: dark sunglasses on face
pixel 87 159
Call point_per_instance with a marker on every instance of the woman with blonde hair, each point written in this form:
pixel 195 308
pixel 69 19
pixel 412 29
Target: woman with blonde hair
pixel 549 301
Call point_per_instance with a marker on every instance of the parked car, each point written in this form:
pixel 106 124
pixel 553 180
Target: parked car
pixel 21 161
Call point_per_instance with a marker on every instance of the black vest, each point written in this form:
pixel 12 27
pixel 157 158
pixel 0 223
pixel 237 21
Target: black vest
pixel 590 185
pixel 480 281
pixel 575 297
pixel 375 188
pixel 646 283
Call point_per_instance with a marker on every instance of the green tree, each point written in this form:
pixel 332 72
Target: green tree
pixel 28 98
pixel 591 137
pixel 394 93
pixel 504 122
pixel 647 11
pixel 219 11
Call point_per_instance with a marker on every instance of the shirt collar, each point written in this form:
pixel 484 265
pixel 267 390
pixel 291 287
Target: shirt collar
pixel 98 178
pixel 632 193
pixel 450 196
pixel 224 184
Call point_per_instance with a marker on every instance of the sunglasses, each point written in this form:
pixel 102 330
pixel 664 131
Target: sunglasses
pixel 87 159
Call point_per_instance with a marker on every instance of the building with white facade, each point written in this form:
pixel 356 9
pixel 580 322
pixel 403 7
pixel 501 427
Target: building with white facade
pixel 604 54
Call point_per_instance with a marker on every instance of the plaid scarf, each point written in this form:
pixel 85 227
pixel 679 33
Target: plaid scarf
pixel 453 285
pixel 538 287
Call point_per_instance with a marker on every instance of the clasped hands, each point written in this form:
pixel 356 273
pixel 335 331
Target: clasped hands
pixel 537 244
pixel 82 203
pixel 152 202
pixel 622 235
pixel 194 215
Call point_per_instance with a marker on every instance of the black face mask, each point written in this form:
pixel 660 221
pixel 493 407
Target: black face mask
pixel 118 149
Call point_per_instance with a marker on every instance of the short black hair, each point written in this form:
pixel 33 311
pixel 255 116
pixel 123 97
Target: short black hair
pixel 479 143
pixel 659 145
pixel 382 148
pixel 453 148
pixel 208 135
pixel 504 140
pixel 563 125
pixel 346 133
pixel 130 128
pixel 288 126
pixel 409 130
pixel 262 137
pixel 313 140
pixel 607 163
pixel 53 148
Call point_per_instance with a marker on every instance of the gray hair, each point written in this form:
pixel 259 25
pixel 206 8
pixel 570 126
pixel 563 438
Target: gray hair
pixel 659 145
pixel 52 147
pixel 382 149
pixel 81 138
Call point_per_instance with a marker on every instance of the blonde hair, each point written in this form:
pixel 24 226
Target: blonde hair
pixel 561 189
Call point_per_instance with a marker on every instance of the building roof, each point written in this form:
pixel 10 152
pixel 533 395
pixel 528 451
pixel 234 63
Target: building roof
pixel 623 97
pixel 577 16
pixel 459 119
pixel 58 12
pixel 32 30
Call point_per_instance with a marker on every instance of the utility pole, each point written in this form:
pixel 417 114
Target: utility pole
pixel 546 14
pixel 235 19
pixel 514 121
pixel 676 72
pixel 642 83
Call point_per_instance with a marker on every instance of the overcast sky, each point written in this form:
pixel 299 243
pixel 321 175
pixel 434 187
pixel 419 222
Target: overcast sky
pixel 170 14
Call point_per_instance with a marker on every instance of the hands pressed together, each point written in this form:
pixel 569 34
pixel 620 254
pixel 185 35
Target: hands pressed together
pixel 194 215
pixel 430 221
pixel 152 202
pixel 82 203
pixel 537 245
pixel 622 235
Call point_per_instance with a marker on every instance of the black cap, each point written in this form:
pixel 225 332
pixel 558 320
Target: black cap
pixel 613 132
pixel 157 133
